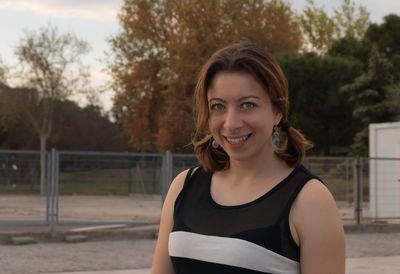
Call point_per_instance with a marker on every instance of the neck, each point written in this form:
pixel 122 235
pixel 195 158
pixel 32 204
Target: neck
pixel 265 165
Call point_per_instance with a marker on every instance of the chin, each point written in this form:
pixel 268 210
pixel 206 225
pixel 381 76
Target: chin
pixel 239 156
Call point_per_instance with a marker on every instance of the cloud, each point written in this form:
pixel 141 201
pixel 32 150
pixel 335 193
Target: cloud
pixel 101 10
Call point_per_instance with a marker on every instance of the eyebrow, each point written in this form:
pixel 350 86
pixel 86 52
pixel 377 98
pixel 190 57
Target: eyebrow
pixel 240 99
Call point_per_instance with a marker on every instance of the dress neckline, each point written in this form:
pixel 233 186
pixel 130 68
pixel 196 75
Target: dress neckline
pixel 255 201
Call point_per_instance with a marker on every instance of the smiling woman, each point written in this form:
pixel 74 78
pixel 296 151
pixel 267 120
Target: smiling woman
pixel 251 207
pixel 241 116
pixel 250 70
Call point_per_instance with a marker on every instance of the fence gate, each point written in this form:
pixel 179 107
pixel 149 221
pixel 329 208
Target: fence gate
pixel 20 201
pixel 99 188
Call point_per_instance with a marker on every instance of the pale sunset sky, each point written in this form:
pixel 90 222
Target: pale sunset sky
pixel 95 20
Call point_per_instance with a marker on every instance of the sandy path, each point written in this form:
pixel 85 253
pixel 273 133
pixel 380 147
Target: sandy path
pixel 133 254
pixel 82 208
pixel 63 257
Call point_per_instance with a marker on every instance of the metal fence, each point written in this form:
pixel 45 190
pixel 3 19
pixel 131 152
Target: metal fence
pixel 365 188
pixel 20 171
pixel 93 173
pixel 20 185
pixel 337 173
pixel 379 188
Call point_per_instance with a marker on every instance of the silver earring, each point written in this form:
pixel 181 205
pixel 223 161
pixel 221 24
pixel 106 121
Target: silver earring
pixel 275 138
pixel 214 143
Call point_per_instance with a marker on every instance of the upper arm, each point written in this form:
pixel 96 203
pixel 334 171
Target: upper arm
pixel 320 231
pixel 161 260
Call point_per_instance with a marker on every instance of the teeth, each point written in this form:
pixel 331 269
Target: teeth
pixel 235 141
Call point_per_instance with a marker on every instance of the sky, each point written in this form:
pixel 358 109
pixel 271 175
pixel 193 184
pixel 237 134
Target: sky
pixel 96 20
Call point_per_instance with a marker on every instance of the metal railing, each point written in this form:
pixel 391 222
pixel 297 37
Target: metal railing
pixel 365 188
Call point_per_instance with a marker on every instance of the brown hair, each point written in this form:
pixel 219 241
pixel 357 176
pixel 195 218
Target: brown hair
pixel 252 59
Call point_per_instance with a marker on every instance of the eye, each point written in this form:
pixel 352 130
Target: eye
pixel 248 105
pixel 217 107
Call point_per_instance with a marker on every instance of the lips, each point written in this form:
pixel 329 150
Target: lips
pixel 237 140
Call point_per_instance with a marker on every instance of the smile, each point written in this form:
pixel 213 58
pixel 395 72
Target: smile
pixel 237 140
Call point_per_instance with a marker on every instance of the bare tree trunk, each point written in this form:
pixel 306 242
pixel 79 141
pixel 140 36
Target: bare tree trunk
pixel 42 164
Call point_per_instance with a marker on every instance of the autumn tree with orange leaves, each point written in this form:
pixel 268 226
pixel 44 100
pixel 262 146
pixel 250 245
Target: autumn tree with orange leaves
pixel 155 58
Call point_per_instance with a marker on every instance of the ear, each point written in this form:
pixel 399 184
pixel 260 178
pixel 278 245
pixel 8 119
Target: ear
pixel 278 117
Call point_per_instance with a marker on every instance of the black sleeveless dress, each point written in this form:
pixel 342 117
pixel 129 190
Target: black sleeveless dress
pixel 208 238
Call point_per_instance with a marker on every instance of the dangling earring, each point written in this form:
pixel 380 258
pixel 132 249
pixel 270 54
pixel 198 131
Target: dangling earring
pixel 275 138
pixel 214 143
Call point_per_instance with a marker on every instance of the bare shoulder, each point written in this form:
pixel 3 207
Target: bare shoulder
pixel 161 260
pixel 314 203
pixel 319 229
pixel 177 185
pixel 315 193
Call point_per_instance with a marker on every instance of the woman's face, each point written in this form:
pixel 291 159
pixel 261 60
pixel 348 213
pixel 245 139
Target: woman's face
pixel 241 115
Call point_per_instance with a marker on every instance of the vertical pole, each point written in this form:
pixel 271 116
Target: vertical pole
pixel 168 174
pixel 307 163
pixel 155 173
pixel 48 184
pixel 163 183
pixel 57 181
pixel 376 183
pixel 354 200
pixel 130 171
pixel 361 187
pixel 53 160
pixel 347 180
pixel 169 168
pixel 139 178
pixel 358 190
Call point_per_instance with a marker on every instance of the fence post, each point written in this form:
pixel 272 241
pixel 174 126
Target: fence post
pixel 307 163
pixel 347 181
pixel 53 191
pixel 57 182
pixel 168 174
pixel 358 189
pixel 48 182
pixel 130 171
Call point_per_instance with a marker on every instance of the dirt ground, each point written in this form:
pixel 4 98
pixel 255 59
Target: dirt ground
pixel 53 257
pixel 138 253
pixel 68 257
pixel 82 208
pixel 97 208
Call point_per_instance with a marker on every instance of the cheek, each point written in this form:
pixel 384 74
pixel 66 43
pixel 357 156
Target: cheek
pixel 264 122
pixel 214 123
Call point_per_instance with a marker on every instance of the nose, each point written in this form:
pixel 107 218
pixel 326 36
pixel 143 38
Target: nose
pixel 233 120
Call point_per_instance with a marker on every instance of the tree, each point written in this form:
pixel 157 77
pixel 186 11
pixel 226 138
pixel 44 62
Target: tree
pixel 75 128
pixel 375 93
pixel 386 37
pixel 157 55
pixel 50 68
pixel 85 128
pixel 15 131
pixel 369 93
pixel 351 48
pixel 321 30
pixel 3 72
pixel 393 100
pixel 317 107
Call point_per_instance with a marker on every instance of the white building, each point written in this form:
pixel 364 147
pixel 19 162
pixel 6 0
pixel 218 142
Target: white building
pixel 384 174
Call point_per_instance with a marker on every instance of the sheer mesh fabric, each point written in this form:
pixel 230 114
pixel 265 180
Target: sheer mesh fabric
pixel 263 222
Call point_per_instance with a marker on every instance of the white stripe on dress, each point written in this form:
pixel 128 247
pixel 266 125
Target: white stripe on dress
pixel 229 251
